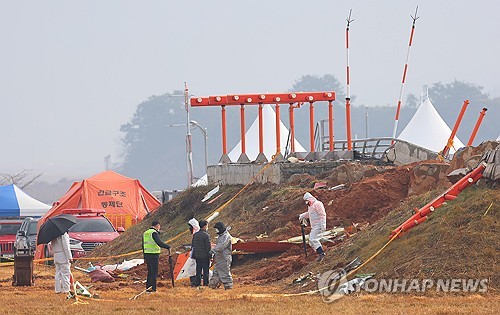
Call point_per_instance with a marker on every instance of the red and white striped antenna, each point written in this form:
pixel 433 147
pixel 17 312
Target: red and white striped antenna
pixel 348 95
pixel 414 18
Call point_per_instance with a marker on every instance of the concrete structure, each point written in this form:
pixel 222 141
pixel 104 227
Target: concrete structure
pixel 405 153
pixel 276 173
pixel 400 153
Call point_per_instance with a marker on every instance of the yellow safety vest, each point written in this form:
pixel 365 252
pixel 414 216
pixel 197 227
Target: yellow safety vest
pixel 150 246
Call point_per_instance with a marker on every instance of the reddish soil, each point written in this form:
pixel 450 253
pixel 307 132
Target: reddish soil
pixel 141 271
pixel 269 212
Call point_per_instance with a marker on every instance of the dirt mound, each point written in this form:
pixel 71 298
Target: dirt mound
pixel 459 241
pixel 367 200
pixel 427 176
pixel 382 196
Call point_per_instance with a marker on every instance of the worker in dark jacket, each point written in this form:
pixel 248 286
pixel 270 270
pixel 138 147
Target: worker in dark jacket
pixel 151 246
pixel 201 253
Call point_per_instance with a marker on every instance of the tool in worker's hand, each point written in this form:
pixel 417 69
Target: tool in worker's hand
pixel 303 224
pixel 171 265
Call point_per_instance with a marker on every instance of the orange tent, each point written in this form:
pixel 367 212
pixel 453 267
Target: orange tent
pixel 124 199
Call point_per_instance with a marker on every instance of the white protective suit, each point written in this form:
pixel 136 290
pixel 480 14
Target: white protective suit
pixel 191 263
pixel 317 216
pixel 222 267
pixel 62 258
pixel 194 223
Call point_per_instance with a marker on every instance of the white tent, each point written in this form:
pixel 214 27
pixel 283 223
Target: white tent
pixel 498 139
pixel 269 129
pixel 428 130
pixel 15 202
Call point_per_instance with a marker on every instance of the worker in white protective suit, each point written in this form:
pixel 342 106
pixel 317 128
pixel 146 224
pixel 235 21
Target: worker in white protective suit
pixel 194 226
pixel 62 261
pixel 222 259
pixel 317 216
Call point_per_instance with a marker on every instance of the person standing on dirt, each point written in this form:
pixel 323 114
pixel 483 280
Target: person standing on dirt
pixel 151 247
pixel 201 253
pixel 62 261
pixel 317 216
pixel 194 226
pixel 222 259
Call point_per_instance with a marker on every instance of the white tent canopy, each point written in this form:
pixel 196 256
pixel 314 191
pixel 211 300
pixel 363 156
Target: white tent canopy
pixel 269 137
pixel 498 139
pixel 428 130
pixel 15 202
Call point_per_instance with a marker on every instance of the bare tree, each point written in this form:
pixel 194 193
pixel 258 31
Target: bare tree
pixel 22 179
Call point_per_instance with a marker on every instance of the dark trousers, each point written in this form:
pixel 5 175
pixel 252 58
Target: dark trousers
pixel 202 266
pixel 192 281
pixel 152 264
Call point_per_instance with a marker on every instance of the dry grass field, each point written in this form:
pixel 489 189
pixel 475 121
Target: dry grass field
pixel 114 299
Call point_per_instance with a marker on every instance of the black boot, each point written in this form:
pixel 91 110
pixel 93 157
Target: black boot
pixel 321 253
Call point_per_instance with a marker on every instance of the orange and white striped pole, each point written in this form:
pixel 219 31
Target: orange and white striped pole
pixel 242 129
pixel 261 130
pixel 292 128
pixel 311 126
pixel 278 135
pixel 414 18
pixel 476 127
pixel 348 95
pixel 448 145
pixel 330 126
pixel 224 131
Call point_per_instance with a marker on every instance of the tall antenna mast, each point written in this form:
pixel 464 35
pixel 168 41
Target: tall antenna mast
pixel 414 18
pixel 189 151
pixel 348 95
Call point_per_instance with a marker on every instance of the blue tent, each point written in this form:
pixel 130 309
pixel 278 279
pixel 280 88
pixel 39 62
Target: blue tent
pixel 14 203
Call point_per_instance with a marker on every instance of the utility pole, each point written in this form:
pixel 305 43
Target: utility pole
pixel 107 158
pixel 366 122
pixel 189 151
pixel 195 124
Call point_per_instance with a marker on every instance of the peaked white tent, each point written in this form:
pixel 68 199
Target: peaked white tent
pixel 428 130
pixel 498 139
pixel 15 202
pixel 269 137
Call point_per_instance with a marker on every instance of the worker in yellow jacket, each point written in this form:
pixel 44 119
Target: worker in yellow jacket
pixel 151 247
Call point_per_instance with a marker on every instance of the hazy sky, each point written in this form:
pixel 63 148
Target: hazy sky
pixel 71 72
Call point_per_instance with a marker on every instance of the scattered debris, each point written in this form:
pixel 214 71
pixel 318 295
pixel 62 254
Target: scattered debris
pixel 338 187
pixel 211 193
pixel 327 236
pixel 210 202
pixel 353 285
pixel 138 295
pixel 318 185
pixel 488 209
pixel 303 278
pixel 125 265
pixel 262 235
pixel 263 247
pixel 100 275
